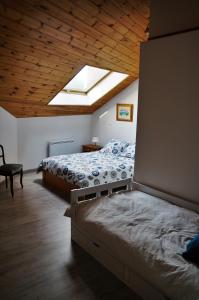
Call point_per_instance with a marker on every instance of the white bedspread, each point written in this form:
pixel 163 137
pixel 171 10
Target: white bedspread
pixel 148 235
pixel 89 169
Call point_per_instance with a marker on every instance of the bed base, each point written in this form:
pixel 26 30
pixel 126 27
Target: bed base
pixel 56 183
pixel 76 194
pixel 119 269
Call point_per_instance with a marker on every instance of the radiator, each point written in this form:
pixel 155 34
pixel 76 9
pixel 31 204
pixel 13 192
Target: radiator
pixel 60 147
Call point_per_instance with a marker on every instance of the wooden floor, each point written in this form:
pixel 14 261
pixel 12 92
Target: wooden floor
pixel 37 259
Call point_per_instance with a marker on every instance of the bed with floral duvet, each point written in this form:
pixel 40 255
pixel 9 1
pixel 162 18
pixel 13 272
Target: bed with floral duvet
pixel 112 163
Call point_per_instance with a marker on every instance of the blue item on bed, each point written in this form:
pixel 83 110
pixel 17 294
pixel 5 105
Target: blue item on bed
pixel 192 252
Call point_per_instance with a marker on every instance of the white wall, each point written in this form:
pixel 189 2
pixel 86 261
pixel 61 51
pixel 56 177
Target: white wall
pixel 107 127
pixel 34 134
pixel 167 136
pixel 8 135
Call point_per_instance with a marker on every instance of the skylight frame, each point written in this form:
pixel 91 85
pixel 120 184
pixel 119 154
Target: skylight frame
pixel 105 86
pixel 80 92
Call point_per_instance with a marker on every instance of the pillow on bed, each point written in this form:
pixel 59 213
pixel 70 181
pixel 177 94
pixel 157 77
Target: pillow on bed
pixel 192 252
pixel 114 147
pixel 129 151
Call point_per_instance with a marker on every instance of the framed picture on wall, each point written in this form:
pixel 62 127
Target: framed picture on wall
pixel 124 112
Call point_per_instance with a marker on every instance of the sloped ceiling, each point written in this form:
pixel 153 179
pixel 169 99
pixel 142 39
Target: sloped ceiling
pixel 44 43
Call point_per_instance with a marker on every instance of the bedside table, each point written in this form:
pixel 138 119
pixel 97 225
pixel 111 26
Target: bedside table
pixel 90 148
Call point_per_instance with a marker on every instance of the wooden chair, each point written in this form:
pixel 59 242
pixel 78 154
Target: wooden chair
pixel 9 170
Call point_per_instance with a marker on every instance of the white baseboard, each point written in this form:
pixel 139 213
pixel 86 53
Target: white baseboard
pixel 30 171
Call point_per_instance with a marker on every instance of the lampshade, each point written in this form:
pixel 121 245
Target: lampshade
pixel 95 139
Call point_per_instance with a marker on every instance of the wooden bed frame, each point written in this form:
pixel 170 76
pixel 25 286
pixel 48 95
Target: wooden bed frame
pixel 59 184
pixel 105 256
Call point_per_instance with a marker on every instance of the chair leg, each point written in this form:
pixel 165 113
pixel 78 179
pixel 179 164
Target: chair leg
pixel 11 185
pixel 21 178
pixel 6 182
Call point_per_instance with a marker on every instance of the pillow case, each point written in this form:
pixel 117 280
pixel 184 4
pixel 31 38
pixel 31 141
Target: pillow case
pixel 192 251
pixel 129 151
pixel 115 147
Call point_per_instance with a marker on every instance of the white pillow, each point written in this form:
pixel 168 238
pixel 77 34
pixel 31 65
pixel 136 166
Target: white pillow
pixel 115 147
pixel 129 151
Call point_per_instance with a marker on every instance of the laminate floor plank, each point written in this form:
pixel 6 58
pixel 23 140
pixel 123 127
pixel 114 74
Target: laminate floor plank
pixel 38 260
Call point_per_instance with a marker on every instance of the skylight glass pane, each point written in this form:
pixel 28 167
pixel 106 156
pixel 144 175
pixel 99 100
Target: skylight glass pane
pixel 86 79
pixel 98 91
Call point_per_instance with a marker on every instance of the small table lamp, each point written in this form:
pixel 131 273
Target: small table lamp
pixel 95 140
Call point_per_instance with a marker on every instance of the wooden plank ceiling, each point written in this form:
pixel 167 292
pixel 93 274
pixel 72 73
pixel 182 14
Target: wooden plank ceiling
pixel 44 43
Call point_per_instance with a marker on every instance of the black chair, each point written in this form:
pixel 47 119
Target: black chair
pixel 9 170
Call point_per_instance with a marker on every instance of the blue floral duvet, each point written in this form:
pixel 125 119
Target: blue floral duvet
pixel 89 169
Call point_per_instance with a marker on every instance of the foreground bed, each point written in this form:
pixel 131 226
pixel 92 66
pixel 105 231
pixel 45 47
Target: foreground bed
pixel 140 238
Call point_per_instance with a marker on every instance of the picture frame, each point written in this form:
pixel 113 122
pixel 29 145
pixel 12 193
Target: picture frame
pixel 124 112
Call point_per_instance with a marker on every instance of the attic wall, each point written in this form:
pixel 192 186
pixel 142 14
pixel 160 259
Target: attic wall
pixel 25 139
pixel 107 127
pixel 35 133
pixel 8 135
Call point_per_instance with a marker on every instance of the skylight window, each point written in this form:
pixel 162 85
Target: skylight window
pixel 86 79
pixel 88 86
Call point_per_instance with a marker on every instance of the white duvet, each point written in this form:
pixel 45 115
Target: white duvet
pixel 90 168
pixel 148 235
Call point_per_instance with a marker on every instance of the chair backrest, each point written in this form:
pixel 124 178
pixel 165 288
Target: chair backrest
pixel 2 155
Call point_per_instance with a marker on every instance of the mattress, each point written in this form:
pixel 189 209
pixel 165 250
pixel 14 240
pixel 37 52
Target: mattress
pixel 89 169
pixel 148 235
